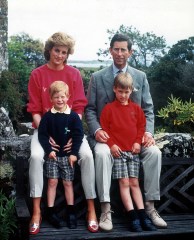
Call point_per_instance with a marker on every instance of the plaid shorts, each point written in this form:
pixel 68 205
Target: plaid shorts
pixel 126 166
pixel 59 168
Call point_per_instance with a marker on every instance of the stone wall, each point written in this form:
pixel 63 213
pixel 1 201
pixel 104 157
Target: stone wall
pixel 11 148
pixel 175 144
pixel 3 35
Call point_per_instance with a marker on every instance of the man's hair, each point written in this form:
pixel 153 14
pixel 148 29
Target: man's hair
pixel 58 86
pixel 59 39
pixel 118 37
pixel 124 81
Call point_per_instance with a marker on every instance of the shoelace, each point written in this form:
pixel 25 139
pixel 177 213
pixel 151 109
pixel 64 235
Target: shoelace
pixel 155 214
pixel 104 216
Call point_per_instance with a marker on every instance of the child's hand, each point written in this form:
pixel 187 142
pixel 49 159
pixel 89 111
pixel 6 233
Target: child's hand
pixel 115 151
pixel 72 160
pixel 52 155
pixel 136 148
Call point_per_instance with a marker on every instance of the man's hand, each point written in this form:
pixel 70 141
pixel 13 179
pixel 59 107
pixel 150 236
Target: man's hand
pixel 148 140
pixel 67 147
pixel 53 144
pixel 101 136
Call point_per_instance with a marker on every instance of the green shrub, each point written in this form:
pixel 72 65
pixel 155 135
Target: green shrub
pixel 178 116
pixel 7 216
pixel 10 97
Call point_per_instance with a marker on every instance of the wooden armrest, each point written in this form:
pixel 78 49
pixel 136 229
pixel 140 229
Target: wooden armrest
pixel 22 210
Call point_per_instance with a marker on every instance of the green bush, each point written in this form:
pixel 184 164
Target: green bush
pixel 11 97
pixel 178 116
pixel 7 216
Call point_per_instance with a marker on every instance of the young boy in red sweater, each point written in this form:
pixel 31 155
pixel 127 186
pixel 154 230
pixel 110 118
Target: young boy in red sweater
pixel 124 121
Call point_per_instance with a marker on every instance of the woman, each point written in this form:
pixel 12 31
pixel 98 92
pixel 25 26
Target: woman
pixel 56 52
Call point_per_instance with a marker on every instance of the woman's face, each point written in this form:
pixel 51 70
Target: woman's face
pixel 58 55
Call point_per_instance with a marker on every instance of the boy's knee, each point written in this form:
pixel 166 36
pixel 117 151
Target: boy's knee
pixel 52 182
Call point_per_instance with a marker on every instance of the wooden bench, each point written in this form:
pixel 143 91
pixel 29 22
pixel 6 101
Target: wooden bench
pixel 176 206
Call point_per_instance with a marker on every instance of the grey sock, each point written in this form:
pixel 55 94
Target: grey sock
pixel 105 207
pixel 149 205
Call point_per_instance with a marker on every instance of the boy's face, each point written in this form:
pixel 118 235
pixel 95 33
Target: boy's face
pixel 59 100
pixel 122 94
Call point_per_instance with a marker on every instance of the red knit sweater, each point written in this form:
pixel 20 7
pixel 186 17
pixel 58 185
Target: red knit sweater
pixel 125 124
pixel 38 88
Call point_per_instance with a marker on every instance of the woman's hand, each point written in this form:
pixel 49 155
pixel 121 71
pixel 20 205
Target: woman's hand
pixel 53 144
pixel 67 147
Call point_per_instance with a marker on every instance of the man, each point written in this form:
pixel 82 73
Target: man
pixel 100 93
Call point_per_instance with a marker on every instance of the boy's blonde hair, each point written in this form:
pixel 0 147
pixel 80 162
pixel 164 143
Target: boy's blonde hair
pixel 124 80
pixel 58 86
pixel 59 39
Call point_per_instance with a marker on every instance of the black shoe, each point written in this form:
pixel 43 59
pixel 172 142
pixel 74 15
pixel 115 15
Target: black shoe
pixel 55 220
pixel 135 226
pixel 71 221
pixel 147 225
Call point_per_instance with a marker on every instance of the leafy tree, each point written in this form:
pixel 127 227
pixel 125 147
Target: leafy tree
pixel 187 78
pixel 173 74
pixel 183 51
pixel 10 97
pixel 147 47
pixel 24 47
pixel 25 54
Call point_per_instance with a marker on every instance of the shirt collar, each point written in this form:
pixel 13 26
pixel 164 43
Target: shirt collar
pixel 118 103
pixel 115 69
pixel 66 111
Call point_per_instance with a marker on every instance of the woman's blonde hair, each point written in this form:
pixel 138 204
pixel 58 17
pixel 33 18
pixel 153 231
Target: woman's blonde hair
pixel 59 39
pixel 58 86
pixel 124 80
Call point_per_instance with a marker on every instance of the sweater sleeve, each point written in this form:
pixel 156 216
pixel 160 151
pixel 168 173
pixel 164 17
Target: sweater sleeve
pixel 34 91
pixel 77 134
pixel 105 123
pixel 43 135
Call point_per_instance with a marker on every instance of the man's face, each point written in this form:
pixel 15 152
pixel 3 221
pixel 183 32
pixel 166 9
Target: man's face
pixel 120 54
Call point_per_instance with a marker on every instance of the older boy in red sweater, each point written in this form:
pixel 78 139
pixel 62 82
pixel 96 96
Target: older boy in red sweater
pixel 124 121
